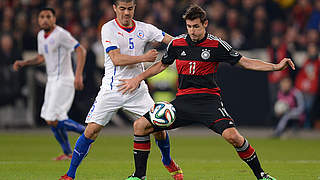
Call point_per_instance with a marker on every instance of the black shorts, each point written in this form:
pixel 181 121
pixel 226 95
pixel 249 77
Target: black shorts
pixel 203 109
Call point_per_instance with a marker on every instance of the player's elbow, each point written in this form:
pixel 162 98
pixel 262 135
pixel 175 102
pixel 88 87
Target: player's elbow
pixel 115 61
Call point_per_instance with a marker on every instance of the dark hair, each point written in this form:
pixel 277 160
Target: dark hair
pixel 116 2
pixel 194 12
pixel 48 9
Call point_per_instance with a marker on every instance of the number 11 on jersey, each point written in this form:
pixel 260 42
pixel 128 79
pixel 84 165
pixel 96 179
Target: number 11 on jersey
pixel 192 68
pixel 131 45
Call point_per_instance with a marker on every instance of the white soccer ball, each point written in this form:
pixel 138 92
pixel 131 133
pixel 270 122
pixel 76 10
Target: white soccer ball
pixel 281 107
pixel 162 114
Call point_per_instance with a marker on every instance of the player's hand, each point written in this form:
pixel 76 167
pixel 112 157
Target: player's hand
pixel 150 56
pixel 128 85
pixel 78 82
pixel 17 65
pixel 284 63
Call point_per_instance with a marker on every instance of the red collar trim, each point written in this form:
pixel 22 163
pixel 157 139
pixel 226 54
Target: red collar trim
pixel 122 27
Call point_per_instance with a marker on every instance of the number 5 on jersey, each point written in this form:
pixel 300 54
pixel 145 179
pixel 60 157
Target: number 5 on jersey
pixel 131 45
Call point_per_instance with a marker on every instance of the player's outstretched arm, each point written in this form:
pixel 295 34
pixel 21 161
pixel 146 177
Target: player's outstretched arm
pixel 18 64
pixel 129 85
pixel 167 38
pixel 119 59
pixel 81 60
pixel 258 65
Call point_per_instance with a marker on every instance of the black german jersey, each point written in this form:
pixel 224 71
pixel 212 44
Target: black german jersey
pixel 197 62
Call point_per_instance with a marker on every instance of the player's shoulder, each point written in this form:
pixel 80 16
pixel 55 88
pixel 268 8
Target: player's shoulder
pixel 109 25
pixel 142 24
pixel 40 33
pixel 218 40
pixel 61 30
pixel 212 37
pixel 179 40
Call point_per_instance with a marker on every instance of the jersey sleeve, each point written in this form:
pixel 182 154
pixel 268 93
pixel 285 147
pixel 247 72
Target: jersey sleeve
pixel 108 39
pixel 169 56
pixel 225 53
pixel 68 41
pixel 154 33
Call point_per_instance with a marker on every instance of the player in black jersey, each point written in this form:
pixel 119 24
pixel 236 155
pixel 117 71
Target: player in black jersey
pixel 197 56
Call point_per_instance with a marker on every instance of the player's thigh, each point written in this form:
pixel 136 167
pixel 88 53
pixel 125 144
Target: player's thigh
pixel 183 119
pixel 214 115
pixel 138 104
pixel 64 95
pixel 105 106
pixel 58 100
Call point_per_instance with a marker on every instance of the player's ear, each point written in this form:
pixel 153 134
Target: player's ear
pixel 114 8
pixel 54 19
pixel 205 23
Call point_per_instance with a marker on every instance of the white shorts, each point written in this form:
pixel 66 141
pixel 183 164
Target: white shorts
pixel 108 102
pixel 58 99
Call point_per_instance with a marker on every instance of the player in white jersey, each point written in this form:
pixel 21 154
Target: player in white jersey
pixel 54 48
pixel 124 41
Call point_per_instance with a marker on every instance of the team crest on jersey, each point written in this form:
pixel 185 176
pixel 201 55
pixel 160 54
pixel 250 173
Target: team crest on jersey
pixel 140 34
pixel 205 54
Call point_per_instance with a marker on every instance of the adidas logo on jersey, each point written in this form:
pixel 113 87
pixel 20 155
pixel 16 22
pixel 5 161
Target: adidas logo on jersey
pixel 183 53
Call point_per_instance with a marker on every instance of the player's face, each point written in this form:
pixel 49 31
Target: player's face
pixel 124 12
pixel 196 29
pixel 46 20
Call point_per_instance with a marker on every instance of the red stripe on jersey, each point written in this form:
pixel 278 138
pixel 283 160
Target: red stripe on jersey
pixel 188 67
pixel 215 91
pixel 142 146
pixel 246 154
pixel 209 43
pixel 179 42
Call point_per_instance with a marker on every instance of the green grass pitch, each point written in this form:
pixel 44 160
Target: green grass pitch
pixel 27 156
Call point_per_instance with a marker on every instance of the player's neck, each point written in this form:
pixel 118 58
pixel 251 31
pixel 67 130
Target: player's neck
pixel 130 25
pixel 48 31
pixel 200 38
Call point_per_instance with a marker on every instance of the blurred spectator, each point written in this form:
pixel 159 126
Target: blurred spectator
pixel 314 20
pixel 276 52
pixel 11 82
pixel 259 29
pixel 307 81
pixel 216 13
pixel 289 105
pixel 142 8
pixel 301 12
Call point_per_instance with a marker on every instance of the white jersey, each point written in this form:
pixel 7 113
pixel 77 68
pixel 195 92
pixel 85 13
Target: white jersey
pixel 56 49
pixel 113 36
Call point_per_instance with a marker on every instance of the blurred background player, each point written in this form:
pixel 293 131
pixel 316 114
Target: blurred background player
pixel 198 100
pixel 54 48
pixel 124 41
pixel 289 105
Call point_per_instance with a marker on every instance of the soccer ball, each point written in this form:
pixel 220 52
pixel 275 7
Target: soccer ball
pixel 162 114
pixel 281 107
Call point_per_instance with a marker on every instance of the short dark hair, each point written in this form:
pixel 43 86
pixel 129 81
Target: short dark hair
pixel 193 12
pixel 116 2
pixel 48 9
